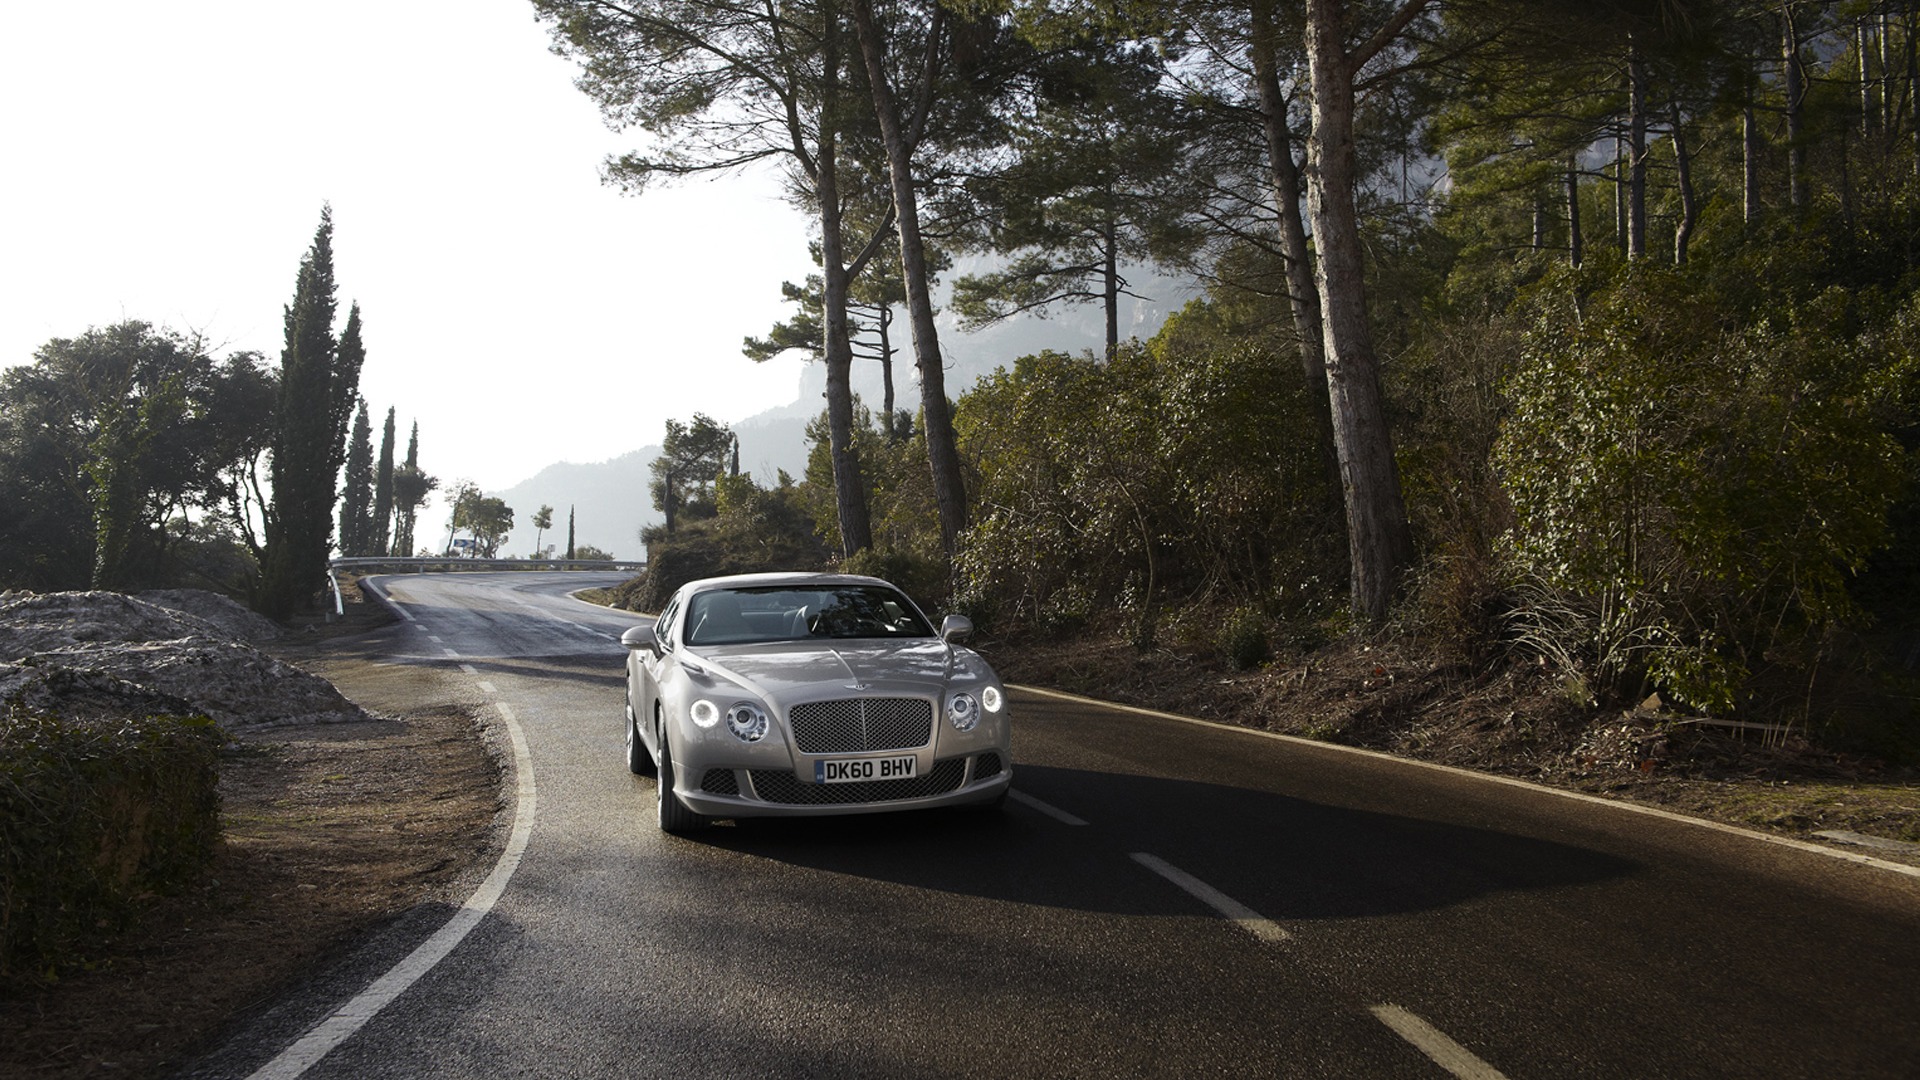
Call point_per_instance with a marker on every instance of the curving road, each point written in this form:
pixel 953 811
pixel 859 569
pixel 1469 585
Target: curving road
pixel 1161 898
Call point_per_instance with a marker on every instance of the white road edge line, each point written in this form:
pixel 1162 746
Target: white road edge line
pixel 1491 778
pixel 1434 1043
pixel 352 1016
pixel 1250 920
pixel 1053 812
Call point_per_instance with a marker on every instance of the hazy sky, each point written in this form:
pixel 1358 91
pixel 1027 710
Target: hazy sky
pixel 168 162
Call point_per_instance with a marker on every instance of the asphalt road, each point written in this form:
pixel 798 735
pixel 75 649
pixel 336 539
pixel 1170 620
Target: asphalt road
pixel 1160 898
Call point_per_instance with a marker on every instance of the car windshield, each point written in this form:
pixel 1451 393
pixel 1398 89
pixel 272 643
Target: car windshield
pixel 784 613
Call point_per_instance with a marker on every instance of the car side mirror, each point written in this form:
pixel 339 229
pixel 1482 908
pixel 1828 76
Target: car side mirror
pixel 956 628
pixel 640 637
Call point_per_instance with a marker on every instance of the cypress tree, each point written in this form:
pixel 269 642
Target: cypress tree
pixel 410 488
pixel 383 492
pixel 569 532
pixel 356 502
pixel 319 382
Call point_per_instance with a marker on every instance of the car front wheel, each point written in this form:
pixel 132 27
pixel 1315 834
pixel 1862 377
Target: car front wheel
pixel 674 816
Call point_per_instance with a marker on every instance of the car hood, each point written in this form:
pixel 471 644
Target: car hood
pixel 786 672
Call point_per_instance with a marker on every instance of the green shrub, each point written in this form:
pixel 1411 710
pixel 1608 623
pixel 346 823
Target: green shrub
pixel 922 577
pixel 94 819
pixel 1691 500
pixel 1243 640
pixel 1173 473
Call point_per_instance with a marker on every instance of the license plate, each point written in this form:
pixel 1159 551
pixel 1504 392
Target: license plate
pixel 855 770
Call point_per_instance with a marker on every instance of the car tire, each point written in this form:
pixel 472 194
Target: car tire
pixel 639 762
pixel 674 817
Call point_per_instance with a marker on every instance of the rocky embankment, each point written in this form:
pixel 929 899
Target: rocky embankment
pixel 97 655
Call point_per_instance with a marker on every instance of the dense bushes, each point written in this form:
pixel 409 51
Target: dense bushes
pixel 1693 494
pixel 752 529
pixel 1185 471
pixel 1699 481
pixel 95 818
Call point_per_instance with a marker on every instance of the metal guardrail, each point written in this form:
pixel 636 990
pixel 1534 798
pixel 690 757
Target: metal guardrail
pixel 418 564
pixel 448 564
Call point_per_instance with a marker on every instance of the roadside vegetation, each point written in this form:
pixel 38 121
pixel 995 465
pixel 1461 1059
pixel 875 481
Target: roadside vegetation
pixel 1613 386
pixel 131 458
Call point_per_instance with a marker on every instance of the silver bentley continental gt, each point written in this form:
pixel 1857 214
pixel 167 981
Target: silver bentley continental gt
pixel 798 694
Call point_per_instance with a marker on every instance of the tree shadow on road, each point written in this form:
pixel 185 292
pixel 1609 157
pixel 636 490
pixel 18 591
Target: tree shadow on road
pixel 1282 856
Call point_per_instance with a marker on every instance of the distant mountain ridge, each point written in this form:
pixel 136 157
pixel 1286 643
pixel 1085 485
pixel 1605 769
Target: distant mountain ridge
pixel 610 499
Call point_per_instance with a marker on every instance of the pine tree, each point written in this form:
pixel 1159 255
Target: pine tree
pixel 319 382
pixel 383 492
pixel 356 501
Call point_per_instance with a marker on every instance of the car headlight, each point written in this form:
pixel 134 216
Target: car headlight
pixel 747 722
pixel 704 713
pixel 991 699
pixel 963 711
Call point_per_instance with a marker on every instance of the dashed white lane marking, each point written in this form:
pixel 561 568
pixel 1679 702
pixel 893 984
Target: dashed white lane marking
pixel 1434 1043
pixel 487 687
pixel 435 638
pixel 469 669
pixel 1053 812
pixel 1250 920
pixel 352 1016
pixel 450 652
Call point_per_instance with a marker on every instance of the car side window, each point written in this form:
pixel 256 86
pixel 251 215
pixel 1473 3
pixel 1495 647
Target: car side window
pixel 663 630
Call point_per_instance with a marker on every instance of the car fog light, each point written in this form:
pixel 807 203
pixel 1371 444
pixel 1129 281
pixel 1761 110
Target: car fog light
pixel 705 713
pixel 963 711
pixel 991 699
pixel 747 723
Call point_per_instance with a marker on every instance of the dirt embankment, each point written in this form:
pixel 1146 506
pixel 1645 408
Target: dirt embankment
pixel 1518 719
pixel 340 812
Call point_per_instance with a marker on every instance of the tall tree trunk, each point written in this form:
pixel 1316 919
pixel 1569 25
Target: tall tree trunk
pixel 1619 191
pixel 885 329
pixel 1860 42
pixel 1886 79
pixel 849 486
pixel 1379 543
pixel 1795 96
pixel 1750 162
pixel 1110 271
pixel 1636 150
pixel 1303 295
pixel 1683 173
pixel 1576 243
pixel 943 456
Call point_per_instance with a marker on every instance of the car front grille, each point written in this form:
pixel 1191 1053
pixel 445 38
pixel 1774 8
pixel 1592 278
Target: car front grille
pixel 781 786
pixel 860 725
pixel 986 765
pixel 720 782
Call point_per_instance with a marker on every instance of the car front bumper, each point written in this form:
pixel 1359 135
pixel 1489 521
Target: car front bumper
pixel 780 792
